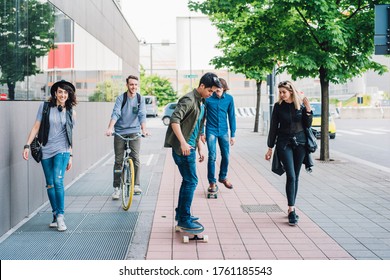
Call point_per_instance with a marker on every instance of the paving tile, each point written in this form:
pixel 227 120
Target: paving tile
pixel 184 255
pixel 262 255
pixel 160 247
pixel 286 254
pixel 211 255
pixel 151 255
pixel 235 255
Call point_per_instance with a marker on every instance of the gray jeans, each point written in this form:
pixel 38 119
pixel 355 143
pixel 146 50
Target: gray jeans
pixel 119 149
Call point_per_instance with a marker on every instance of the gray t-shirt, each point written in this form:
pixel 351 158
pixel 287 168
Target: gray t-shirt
pixel 57 141
pixel 129 118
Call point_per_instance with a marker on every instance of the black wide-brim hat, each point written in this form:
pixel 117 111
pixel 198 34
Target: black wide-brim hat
pixel 54 87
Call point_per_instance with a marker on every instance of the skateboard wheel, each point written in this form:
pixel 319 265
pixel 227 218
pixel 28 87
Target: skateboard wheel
pixel 186 239
pixel 208 196
pixel 205 238
pixel 177 229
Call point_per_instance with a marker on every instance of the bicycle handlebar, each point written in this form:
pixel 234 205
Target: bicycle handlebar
pixel 138 135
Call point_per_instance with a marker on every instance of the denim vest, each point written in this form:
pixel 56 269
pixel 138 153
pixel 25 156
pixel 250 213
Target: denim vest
pixel 43 133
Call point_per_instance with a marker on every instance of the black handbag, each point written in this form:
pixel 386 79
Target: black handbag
pixel 36 150
pixel 311 140
pixel 277 166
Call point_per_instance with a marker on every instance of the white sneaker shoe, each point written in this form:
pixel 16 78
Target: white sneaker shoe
pixel 137 190
pixel 53 224
pixel 116 193
pixel 61 223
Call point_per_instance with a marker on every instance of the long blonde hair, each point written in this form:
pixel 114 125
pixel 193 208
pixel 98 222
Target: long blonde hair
pixel 294 93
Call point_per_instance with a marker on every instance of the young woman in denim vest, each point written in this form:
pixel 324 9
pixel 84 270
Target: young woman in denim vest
pixel 56 135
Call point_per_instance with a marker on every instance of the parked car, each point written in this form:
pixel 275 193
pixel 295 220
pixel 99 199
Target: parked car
pixel 151 106
pixel 168 110
pixel 316 125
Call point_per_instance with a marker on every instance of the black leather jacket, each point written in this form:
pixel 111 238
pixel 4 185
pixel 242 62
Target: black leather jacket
pixel 286 123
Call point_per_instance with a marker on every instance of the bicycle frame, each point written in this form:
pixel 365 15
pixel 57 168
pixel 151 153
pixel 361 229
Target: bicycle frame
pixel 127 177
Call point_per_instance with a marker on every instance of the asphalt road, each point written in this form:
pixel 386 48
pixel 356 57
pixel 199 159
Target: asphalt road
pixel 365 139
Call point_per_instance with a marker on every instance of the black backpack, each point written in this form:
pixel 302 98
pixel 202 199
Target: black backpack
pixel 125 100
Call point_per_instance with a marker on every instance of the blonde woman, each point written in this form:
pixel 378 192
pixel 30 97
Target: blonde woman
pixel 288 122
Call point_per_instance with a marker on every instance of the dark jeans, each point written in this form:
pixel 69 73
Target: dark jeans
pixel 292 159
pixel 187 168
pixel 119 149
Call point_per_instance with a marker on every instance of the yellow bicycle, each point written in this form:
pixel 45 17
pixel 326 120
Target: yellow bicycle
pixel 127 173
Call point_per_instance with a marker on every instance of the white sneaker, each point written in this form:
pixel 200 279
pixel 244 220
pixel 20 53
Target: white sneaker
pixel 137 190
pixel 61 223
pixel 116 193
pixel 53 224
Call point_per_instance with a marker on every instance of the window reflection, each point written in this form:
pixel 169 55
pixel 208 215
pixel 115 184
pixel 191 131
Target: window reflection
pixel 40 45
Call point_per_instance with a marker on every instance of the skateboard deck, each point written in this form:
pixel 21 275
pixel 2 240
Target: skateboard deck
pixel 186 238
pixel 213 194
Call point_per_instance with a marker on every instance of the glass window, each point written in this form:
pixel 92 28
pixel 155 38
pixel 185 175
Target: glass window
pixel 40 45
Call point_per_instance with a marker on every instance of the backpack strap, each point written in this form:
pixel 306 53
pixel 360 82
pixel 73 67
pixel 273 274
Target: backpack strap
pixel 125 100
pixel 45 107
pixel 138 100
pixel 45 124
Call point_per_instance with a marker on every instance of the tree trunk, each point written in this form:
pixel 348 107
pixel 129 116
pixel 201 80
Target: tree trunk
pixel 324 151
pixel 258 98
pixel 11 90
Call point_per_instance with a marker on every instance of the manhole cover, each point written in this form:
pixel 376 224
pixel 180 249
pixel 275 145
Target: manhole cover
pixel 262 208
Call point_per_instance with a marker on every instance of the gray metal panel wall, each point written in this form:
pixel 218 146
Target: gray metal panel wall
pixel 22 184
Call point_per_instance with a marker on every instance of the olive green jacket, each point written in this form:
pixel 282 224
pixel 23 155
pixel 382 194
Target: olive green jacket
pixel 186 114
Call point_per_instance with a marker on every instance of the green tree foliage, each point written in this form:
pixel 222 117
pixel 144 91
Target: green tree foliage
pixel 108 91
pixel 157 86
pixel 332 40
pixel 248 55
pixel 26 33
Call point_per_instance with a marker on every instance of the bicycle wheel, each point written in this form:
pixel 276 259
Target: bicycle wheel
pixel 127 183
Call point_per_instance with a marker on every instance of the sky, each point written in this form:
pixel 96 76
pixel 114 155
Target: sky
pixel 155 20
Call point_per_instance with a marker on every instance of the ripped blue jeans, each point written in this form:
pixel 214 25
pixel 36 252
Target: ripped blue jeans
pixel 54 169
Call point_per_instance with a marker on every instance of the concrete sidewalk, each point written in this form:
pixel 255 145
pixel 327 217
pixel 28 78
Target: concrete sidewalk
pixel 343 207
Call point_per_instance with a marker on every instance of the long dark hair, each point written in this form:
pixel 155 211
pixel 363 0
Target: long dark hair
pixel 70 102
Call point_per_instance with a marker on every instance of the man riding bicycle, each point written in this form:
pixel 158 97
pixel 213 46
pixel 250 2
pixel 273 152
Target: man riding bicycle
pixel 128 118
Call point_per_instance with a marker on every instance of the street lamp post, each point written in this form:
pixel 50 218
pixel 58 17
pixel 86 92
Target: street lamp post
pixel 144 43
pixel 190 43
pixel 151 58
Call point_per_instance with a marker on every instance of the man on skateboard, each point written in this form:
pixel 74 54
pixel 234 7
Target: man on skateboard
pixel 183 137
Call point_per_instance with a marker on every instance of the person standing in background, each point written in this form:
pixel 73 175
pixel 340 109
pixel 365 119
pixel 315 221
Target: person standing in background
pixel 220 117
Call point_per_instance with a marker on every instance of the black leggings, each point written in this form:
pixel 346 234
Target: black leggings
pixel 292 159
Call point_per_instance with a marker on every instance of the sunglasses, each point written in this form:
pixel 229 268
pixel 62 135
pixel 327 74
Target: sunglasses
pixel 284 84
